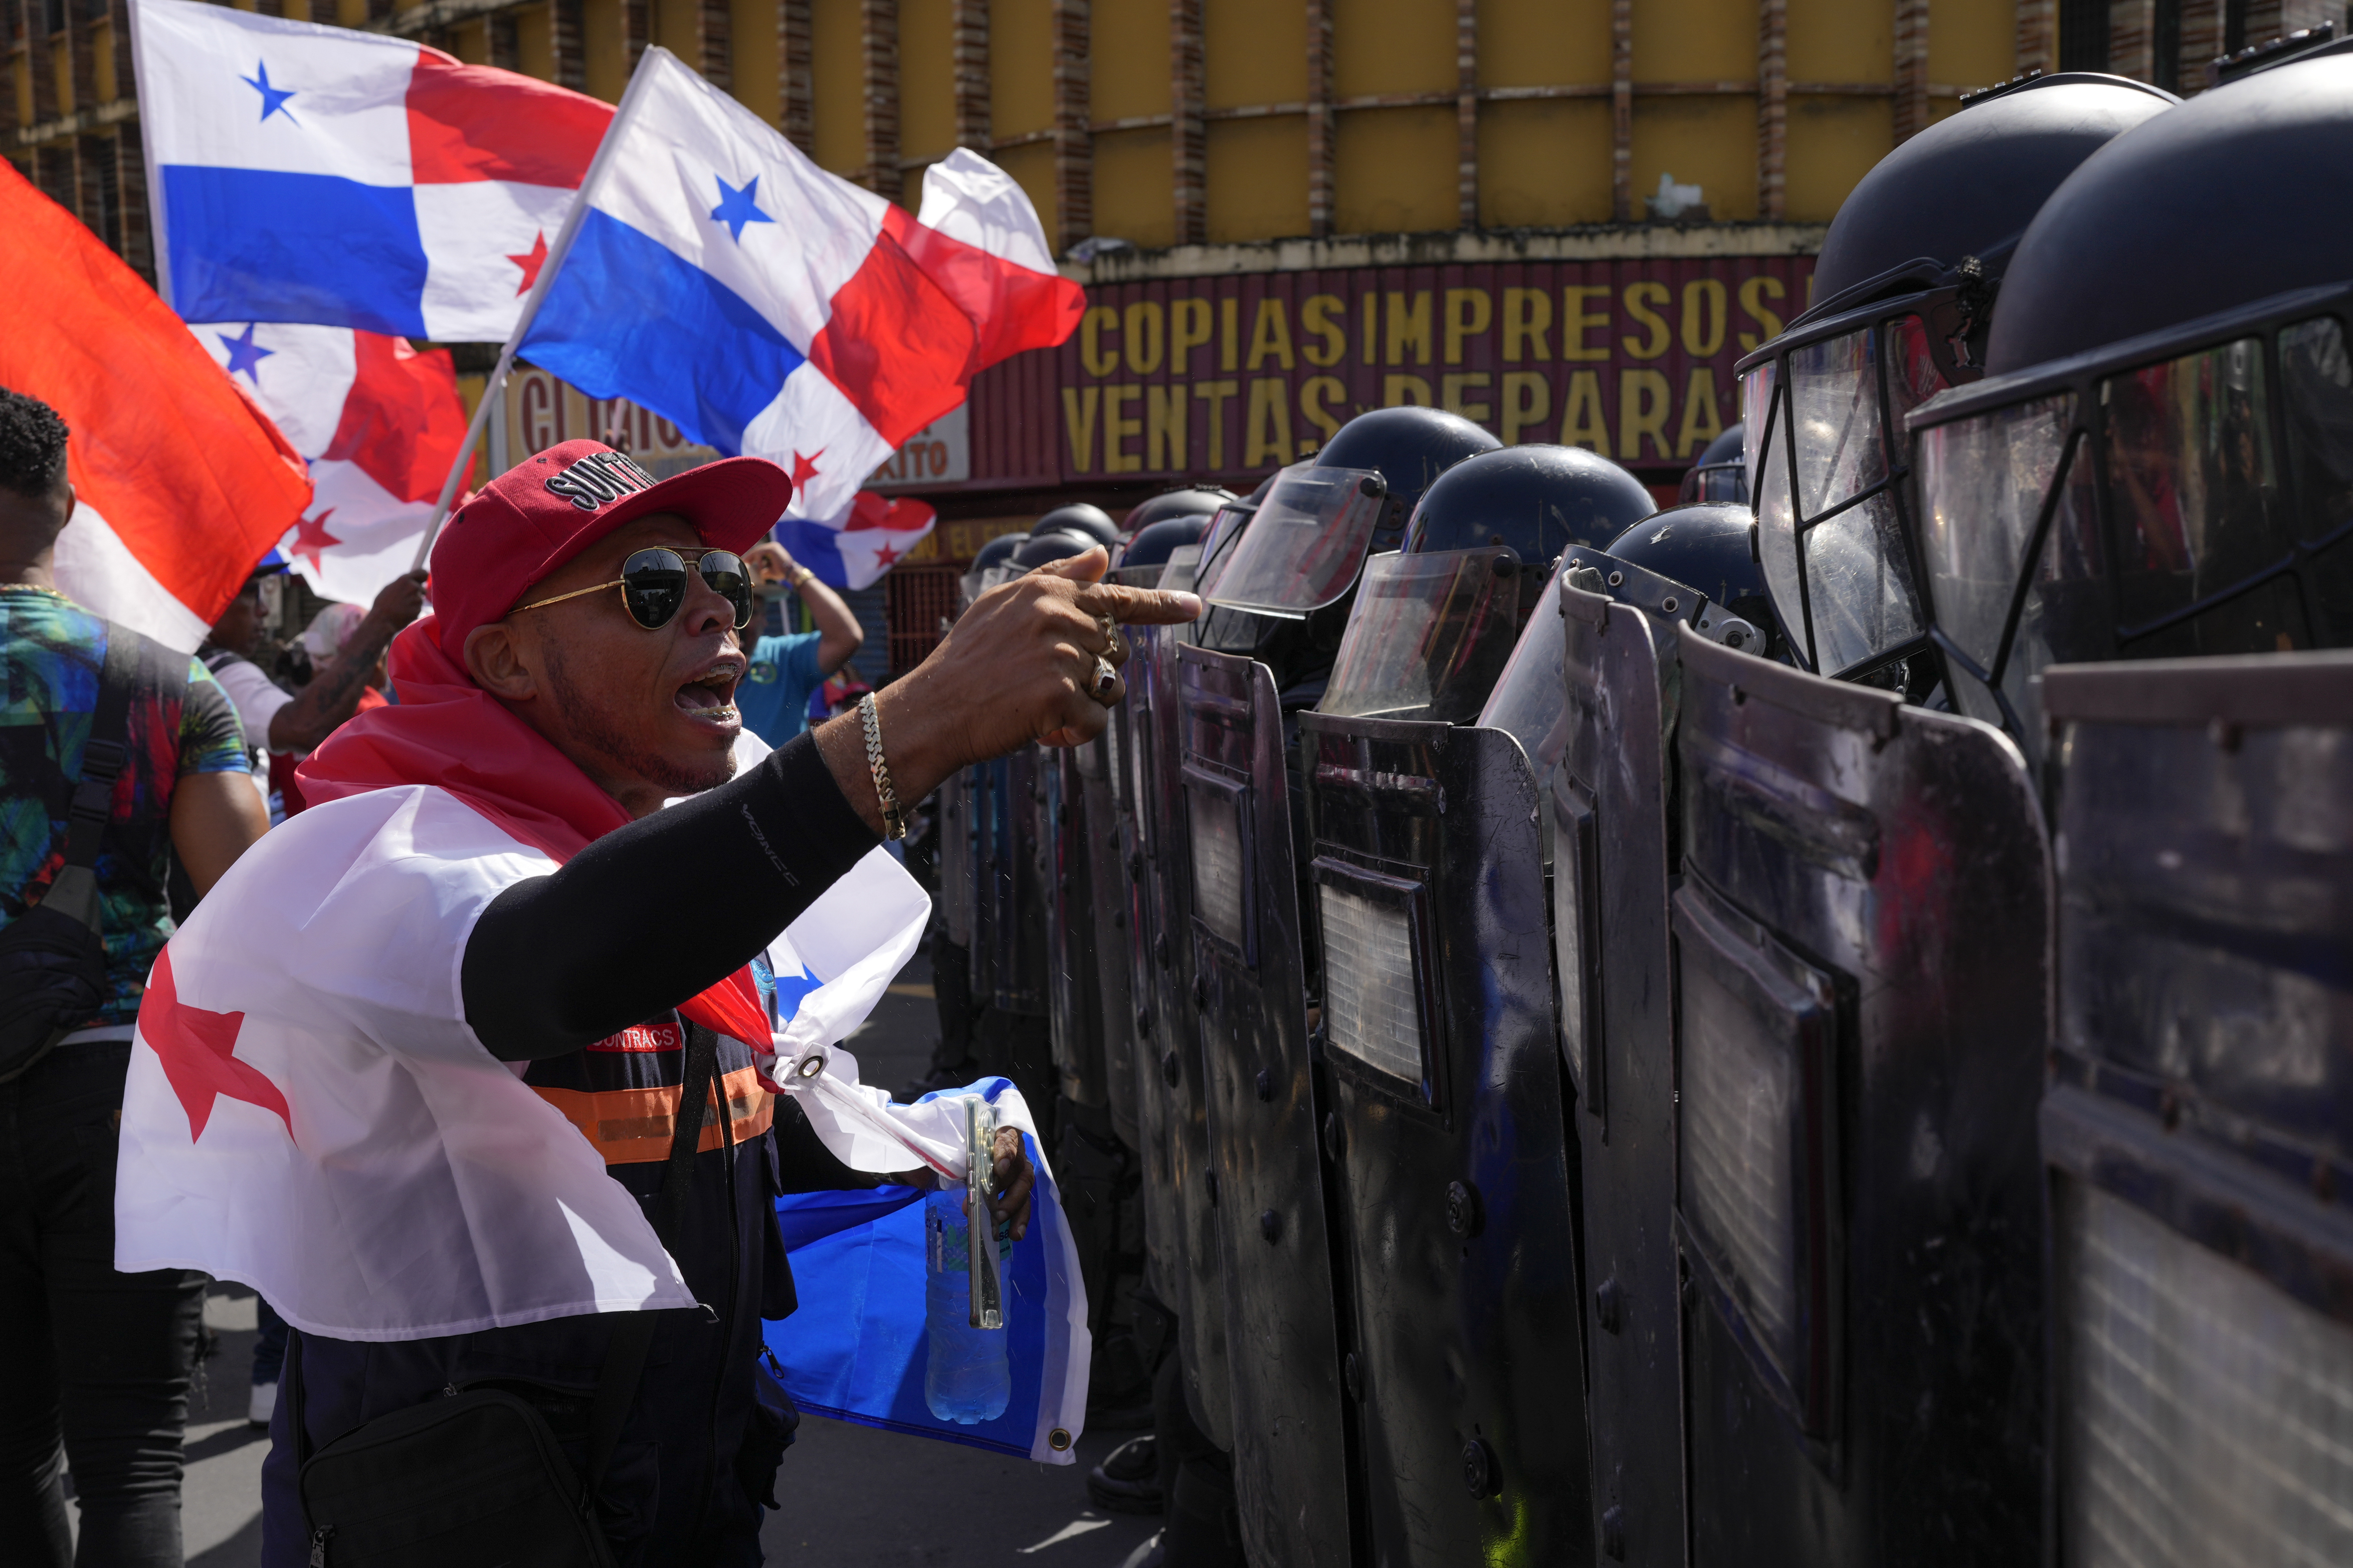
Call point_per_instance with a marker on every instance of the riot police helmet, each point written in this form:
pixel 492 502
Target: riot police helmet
pixel 1409 446
pixel 1722 472
pixel 1092 521
pixel 1906 292
pixel 1201 501
pixel 1538 499
pixel 1150 545
pixel 2160 463
pixel 1047 545
pixel 998 551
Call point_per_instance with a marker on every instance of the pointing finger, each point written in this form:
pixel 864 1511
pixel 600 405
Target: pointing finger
pixel 1139 606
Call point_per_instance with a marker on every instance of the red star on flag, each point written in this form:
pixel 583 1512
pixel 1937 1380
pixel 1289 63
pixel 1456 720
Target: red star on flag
pixel 530 262
pixel 196 1047
pixel 311 537
pixel 884 556
pixel 804 469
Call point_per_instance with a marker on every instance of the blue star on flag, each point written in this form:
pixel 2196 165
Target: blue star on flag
pixel 273 99
pixel 245 355
pixel 736 208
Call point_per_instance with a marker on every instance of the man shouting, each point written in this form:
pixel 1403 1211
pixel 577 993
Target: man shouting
pixel 426 1068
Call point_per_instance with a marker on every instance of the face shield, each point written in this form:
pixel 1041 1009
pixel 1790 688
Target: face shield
pixel 1825 407
pixel 1529 702
pixel 2168 500
pixel 1428 635
pixel 1303 549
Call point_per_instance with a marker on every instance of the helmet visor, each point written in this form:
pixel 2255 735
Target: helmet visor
pixel 1303 549
pixel 1428 635
pixel 1989 487
pixel 1530 702
pixel 1829 490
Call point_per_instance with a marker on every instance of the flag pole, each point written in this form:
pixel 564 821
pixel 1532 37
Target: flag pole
pixel 573 219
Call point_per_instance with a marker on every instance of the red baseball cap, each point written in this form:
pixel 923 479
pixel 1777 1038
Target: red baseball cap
pixel 547 508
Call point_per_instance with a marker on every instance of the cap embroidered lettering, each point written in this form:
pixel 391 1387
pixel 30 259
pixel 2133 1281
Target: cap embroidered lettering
pixel 591 480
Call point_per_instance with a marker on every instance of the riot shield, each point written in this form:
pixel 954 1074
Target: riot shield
pixel 1016 851
pixel 2198 1129
pixel 1073 1006
pixel 1180 1192
pixel 1105 783
pixel 955 858
pixel 1610 907
pixel 1292 1461
pixel 1860 950
pixel 1453 1174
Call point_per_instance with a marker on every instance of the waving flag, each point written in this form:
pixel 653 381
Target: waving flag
pixel 721 278
pixel 379 421
pixel 181 484
pixel 308 174
pixel 855 551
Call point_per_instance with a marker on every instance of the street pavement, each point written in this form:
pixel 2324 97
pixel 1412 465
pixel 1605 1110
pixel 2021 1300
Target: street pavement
pixel 853 1497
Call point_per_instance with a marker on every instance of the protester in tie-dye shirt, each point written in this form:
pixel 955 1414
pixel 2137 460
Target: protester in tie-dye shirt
pixel 97 1362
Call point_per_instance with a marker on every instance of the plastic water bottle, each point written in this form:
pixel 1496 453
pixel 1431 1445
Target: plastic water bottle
pixel 968 1379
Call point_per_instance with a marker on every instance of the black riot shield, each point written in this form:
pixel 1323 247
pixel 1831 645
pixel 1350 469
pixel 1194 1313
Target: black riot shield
pixel 1453 1172
pixel 1073 1006
pixel 1017 852
pixel 1292 1459
pixel 1181 1188
pixel 2198 1124
pixel 1609 906
pixel 1861 949
pixel 1105 784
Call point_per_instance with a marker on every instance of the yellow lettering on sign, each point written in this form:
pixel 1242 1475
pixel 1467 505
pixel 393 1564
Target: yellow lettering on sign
pixel 1527 398
pixel 1575 321
pixel 1753 294
pixel 1189 329
pixel 1468 312
pixel 1164 445
pixel 1527 317
pixel 1117 459
pixel 1091 350
pixel 1644 399
pixel 1229 315
pixel 1270 336
pixel 1400 390
pixel 1269 425
pixel 1409 327
pixel 1079 420
pixel 1701 422
pixel 1318 395
pixel 1705 316
pixel 1214 393
pixel 1582 422
pixel 1452 386
pixel 1640 299
pixel 1316 316
pixel 1143 331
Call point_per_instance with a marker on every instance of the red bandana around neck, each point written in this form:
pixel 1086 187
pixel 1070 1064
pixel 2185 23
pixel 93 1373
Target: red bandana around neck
pixel 446 731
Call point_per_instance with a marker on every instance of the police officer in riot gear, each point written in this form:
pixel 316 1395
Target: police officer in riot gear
pixel 1722 472
pixel 1906 292
pixel 1152 544
pixel 1201 502
pixel 1080 518
pixel 2159 461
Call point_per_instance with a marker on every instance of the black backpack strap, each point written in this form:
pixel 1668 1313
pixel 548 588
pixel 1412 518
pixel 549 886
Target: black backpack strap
pixel 107 750
pixel 625 1356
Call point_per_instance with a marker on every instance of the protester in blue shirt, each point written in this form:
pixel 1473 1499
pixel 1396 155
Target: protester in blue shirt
pixel 774 695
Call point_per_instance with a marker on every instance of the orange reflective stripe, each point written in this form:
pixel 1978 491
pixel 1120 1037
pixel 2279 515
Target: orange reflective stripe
pixel 633 1126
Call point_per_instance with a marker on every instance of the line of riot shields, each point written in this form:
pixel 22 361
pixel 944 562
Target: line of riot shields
pixel 1681 1108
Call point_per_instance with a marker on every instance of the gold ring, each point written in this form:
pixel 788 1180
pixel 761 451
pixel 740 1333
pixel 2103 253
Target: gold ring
pixel 1106 681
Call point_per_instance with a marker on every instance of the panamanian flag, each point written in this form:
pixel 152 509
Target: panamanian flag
pixel 300 173
pixel 718 277
pixel 378 421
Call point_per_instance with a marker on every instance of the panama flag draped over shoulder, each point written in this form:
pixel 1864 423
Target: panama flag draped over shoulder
pixel 180 484
pixel 308 174
pixel 379 421
pixel 721 278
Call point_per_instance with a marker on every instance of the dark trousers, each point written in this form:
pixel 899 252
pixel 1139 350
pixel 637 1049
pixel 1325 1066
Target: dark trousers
pixel 270 1344
pixel 94 1365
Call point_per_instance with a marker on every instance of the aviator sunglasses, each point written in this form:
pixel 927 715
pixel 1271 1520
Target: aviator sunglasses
pixel 653 586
